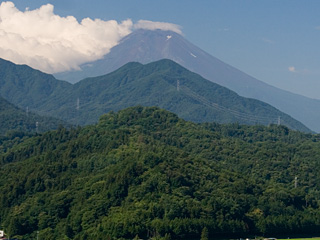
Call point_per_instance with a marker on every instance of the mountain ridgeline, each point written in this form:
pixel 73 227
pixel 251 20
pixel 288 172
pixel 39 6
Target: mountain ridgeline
pixel 143 172
pixel 147 46
pixel 24 86
pixel 163 83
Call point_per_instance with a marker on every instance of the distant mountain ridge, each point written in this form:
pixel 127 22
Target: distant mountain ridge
pixel 15 119
pixel 163 83
pixel 147 46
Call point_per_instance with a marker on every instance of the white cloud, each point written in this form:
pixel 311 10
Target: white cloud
pixel 149 25
pixel 303 71
pixel 292 69
pixel 51 43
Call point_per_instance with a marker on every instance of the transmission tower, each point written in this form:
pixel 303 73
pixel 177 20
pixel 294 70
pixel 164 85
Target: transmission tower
pixel 178 85
pixel 78 104
pixel 37 126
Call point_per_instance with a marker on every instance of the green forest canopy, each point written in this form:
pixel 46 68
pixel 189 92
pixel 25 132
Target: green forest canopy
pixel 143 172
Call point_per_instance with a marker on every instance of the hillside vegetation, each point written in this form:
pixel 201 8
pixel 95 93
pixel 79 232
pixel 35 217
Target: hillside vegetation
pixel 143 172
pixel 163 83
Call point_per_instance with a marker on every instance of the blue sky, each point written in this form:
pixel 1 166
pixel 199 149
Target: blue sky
pixel 276 41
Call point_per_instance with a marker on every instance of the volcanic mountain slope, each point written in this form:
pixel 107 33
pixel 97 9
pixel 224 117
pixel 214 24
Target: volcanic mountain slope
pixel 146 46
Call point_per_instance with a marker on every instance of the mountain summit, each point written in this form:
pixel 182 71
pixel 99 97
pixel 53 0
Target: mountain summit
pixel 146 46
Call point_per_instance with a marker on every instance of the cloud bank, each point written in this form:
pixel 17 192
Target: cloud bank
pixel 51 43
pixel 149 25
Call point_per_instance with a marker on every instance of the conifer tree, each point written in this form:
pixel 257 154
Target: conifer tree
pixel 205 234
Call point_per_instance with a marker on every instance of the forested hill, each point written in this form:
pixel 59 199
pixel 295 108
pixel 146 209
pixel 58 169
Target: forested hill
pixel 26 87
pixel 163 83
pixel 13 119
pixel 144 172
pixel 167 85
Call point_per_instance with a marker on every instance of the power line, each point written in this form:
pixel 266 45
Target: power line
pixel 242 116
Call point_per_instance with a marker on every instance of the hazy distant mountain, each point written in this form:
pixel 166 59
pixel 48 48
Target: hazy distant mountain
pixel 163 83
pixel 146 46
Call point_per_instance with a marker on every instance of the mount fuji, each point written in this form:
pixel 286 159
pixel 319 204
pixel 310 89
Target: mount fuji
pixel 147 46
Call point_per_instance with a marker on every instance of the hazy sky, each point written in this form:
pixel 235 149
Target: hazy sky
pixel 276 41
